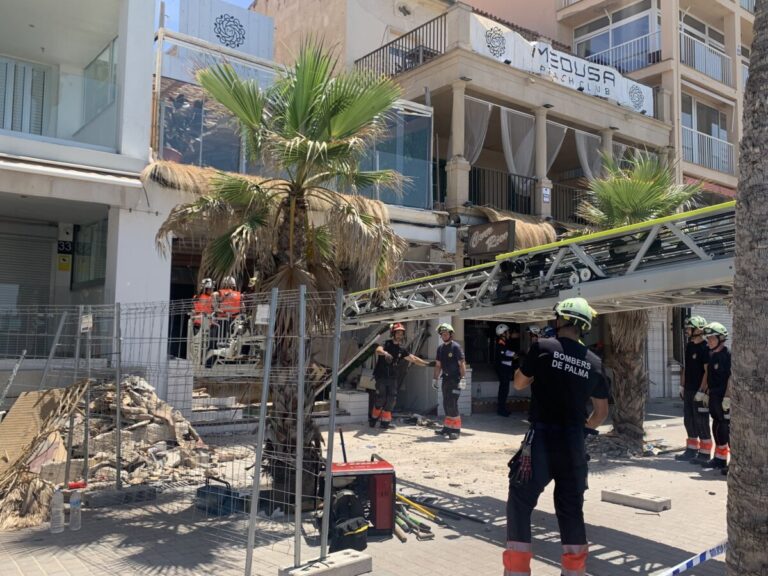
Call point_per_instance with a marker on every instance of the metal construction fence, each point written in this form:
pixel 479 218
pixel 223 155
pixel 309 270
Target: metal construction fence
pixel 186 419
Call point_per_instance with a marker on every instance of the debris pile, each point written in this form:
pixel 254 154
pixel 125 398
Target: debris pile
pixel 157 444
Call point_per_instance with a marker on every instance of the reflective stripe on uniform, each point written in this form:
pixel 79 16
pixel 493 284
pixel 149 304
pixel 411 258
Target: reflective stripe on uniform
pixel 721 452
pixel 517 559
pixel 692 443
pixel 386 416
pixel 376 412
pixel 705 447
pixel 574 559
pixel 453 423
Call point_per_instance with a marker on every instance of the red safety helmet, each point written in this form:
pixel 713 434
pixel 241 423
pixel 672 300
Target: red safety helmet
pixel 397 326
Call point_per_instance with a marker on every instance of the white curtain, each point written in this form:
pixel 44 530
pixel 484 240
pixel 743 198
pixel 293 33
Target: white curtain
pixel 476 116
pixel 618 151
pixel 518 137
pixel 555 137
pixel 588 151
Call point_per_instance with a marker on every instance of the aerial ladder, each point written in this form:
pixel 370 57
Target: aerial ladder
pixel 677 260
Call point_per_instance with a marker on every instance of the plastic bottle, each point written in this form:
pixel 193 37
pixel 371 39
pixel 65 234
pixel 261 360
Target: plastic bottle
pixel 75 511
pixel 57 512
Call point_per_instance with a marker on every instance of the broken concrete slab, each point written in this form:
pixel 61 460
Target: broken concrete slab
pixel 343 563
pixel 636 499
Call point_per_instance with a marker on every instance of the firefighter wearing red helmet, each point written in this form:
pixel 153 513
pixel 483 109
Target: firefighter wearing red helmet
pixel 392 356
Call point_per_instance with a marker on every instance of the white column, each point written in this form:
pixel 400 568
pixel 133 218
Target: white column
pixel 135 68
pixel 457 168
pixel 542 201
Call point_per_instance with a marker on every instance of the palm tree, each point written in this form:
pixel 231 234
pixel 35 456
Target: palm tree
pixel 748 474
pixel 631 193
pixel 309 132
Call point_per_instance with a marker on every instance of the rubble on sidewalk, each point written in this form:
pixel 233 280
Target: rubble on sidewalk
pixel 157 444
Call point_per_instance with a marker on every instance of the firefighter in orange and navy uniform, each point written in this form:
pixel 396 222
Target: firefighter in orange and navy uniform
pixel 228 299
pixel 504 370
pixel 202 304
pixel 451 368
pixel 563 375
pixel 718 381
pixel 391 356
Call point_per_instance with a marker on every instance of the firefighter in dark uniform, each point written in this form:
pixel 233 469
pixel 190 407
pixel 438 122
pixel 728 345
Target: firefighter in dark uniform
pixel 718 380
pixel 391 356
pixel 564 375
pixel 695 416
pixel 504 359
pixel 451 368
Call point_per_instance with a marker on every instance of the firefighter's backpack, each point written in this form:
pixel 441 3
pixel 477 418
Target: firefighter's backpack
pixel 349 528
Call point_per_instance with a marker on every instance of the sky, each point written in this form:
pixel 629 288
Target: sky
pixel 172 11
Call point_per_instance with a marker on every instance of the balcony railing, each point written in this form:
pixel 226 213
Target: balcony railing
pixel 565 202
pixel 631 55
pixel 707 151
pixel 705 59
pixel 748 5
pixel 409 51
pixel 501 191
pixel 566 3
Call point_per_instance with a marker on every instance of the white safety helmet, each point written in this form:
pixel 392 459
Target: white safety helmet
pixel 229 282
pixel 501 328
pixel 206 284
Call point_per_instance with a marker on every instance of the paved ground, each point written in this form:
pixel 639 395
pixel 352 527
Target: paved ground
pixel 168 538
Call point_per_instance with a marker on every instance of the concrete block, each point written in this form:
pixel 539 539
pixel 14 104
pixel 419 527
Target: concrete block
pixel 635 499
pixel 343 563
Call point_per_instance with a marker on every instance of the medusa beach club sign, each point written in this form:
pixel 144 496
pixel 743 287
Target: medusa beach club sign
pixel 505 45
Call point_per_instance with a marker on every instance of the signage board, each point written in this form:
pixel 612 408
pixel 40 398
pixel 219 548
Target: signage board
pixel 491 238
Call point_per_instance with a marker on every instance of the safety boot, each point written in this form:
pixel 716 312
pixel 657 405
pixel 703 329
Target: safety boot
pixel 442 431
pixel 724 471
pixel 454 435
pixel 700 459
pixel 372 422
pixel 716 463
pixel 689 454
pixel 385 425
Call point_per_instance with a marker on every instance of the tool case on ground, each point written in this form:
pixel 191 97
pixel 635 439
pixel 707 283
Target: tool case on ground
pixel 220 499
pixel 349 528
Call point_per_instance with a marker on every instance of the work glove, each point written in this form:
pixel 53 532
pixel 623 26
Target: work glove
pixel 681 390
pixel 462 384
pixel 726 404
pixel 435 384
pixel 702 397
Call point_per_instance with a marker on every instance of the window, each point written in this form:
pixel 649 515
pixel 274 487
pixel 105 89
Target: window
pixel 23 96
pixel 90 259
pixel 100 82
pixel 704 119
pixel 702 32
pixel 622 26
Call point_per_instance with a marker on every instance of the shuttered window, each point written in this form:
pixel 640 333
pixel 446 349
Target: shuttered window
pixel 25 273
pixel 23 93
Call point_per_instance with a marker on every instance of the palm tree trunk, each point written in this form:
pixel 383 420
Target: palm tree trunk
pixel 748 474
pixel 628 331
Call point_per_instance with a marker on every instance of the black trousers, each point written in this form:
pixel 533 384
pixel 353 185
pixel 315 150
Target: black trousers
pixel 696 423
pixel 557 455
pixel 451 395
pixel 386 394
pixel 505 376
pixel 721 428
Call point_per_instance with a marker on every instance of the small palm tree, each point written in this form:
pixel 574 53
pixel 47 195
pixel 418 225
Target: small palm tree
pixel 637 191
pixel 308 131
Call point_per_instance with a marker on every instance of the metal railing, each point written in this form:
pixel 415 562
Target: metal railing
pixel 566 3
pixel 565 202
pixel 707 151
pixel 409 51
pixel 500 190
pixel 632 55
pixel 748 5
pixel 705 59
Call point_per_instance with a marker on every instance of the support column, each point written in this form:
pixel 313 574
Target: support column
pixel 670 30
pixel 606 142
pixel 457 168
pixel 542 201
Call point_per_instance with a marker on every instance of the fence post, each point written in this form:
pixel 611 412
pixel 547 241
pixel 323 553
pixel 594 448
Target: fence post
pixel 86 435
pixel 261 432
pixel 300 426
pixel 331 427
pixel 76 365
pixel 118 397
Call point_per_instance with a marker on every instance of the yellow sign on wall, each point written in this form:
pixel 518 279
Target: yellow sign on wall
pixel 65 262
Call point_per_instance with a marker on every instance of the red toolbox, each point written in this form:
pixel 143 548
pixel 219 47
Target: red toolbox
pixel 374 484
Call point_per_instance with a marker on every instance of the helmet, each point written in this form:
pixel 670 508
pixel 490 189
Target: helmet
pixel 501 328
pixel 548 332
pixel 206 284
pixel 576 311
pixel 444 327
pixel 397 326
pixel 534 330
pixel 696 322
pixel 229 282
pixel 716 329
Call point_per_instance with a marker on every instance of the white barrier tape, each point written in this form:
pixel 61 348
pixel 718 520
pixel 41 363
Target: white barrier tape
pixel 696 560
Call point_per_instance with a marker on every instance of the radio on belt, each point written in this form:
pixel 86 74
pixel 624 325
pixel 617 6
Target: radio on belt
pixel 374 484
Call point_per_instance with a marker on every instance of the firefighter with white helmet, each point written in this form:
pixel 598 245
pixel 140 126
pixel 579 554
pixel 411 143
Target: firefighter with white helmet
pixel 563 375
pixel 698 446
pixel 452 369
pixel 391 357
pixel 202 303
pixel 718 381
pixel 504 358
